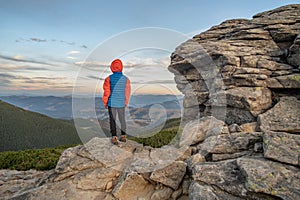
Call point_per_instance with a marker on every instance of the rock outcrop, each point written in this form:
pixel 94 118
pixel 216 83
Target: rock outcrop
pixel 242 135
pixel 255 61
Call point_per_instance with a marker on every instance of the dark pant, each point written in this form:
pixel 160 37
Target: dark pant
pixel 112 120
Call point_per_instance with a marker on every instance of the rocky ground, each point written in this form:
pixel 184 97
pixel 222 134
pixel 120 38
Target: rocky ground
pixel 241 81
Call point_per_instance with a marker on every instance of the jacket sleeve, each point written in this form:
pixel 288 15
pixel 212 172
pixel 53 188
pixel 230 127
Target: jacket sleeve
pixel 106 91
pixel 127 92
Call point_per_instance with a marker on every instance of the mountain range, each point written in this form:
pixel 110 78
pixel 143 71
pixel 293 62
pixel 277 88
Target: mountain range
pixel 61 107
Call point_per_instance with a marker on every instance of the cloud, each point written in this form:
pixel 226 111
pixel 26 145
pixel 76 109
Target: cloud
pixel 23 60
pixel 18 57
pixel 149 62
pixel 35 68
pixel 73 53
pixel 7 80
pixel 11 82
pixel 96 77
pixel 71 57
pixel 131 63
pixel 38 40
pixel 9 66
pixel 12 67
pixel 92 65
pixel 6 76
pixel 65 42
pixel 154 82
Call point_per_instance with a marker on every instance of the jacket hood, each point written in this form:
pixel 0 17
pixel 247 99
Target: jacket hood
pixel 116 66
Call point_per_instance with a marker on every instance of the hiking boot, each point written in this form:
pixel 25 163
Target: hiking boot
pixel 123 138
pixel 114 140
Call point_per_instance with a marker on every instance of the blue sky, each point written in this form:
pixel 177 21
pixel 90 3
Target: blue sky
pixel 42 41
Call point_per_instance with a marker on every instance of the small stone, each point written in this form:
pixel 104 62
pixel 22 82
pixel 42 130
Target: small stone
pixel 233 128
pixel 109 185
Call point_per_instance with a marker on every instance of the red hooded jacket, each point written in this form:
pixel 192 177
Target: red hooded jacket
pixel 116 87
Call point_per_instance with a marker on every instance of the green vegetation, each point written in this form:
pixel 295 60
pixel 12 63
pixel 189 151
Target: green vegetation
pixel 39 159
pixel 21 129
pixel 166 136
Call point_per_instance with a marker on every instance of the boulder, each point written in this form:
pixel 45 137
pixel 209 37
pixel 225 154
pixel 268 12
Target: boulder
pixel 272 178
pixel 170 176
pixel 208 192
pixel 283 147
pixel 162 194
pixel 230 143
pixel 284 116
pixel 198 130
pixel 14 183
pixel 256 99
pixel 133 186
pixel 224 174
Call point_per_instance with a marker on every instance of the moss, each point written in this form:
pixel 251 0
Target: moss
pixel 274 192
pixel 295 77
pixel 252 185
pixel 271 175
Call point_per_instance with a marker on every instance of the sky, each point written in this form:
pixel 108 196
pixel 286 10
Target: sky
pixel 60 46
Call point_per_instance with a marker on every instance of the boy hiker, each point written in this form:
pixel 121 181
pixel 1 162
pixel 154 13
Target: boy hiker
pixel 116 97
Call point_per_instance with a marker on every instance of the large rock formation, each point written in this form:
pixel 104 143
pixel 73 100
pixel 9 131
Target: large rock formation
pixel 255 60
pixel 242 135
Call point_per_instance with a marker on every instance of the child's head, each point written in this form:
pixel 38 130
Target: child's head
pixel 116 66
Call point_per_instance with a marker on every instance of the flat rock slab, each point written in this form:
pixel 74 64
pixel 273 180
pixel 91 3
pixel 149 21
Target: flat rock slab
pixel 272 178
pixel 283 147
pixel 284 116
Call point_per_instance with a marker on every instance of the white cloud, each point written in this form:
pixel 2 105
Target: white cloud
pixel 71 57
pixel 133 62
pixel 151 62
pixel 70 53
pixel 18 57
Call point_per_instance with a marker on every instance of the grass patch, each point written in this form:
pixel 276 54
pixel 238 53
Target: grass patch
pixel 47 158
pixel 39 159
pixel 158 140
pixel 166 136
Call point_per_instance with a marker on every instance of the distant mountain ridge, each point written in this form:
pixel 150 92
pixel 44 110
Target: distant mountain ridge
pixel 21 129
pixel 61 107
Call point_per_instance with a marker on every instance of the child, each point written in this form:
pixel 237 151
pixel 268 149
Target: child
pixel 116 97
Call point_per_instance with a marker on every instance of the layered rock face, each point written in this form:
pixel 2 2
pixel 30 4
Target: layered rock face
pixel 242 134
pixel 249 63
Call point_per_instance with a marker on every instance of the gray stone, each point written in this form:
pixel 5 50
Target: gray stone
pixel 133 186
pixel 249 127
pixel 197 131
pixel 225 174
pixel 272 178
pixel 233 128
pixel 207 192
pixel 195 159
pixel 238 116
pixel 171 175
pixel 284 116
pixel 283 147
pixel 230 143
pixel 256 100
pixel 162 194
pixel 294 53
pixel 14 183
pixel 219 157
